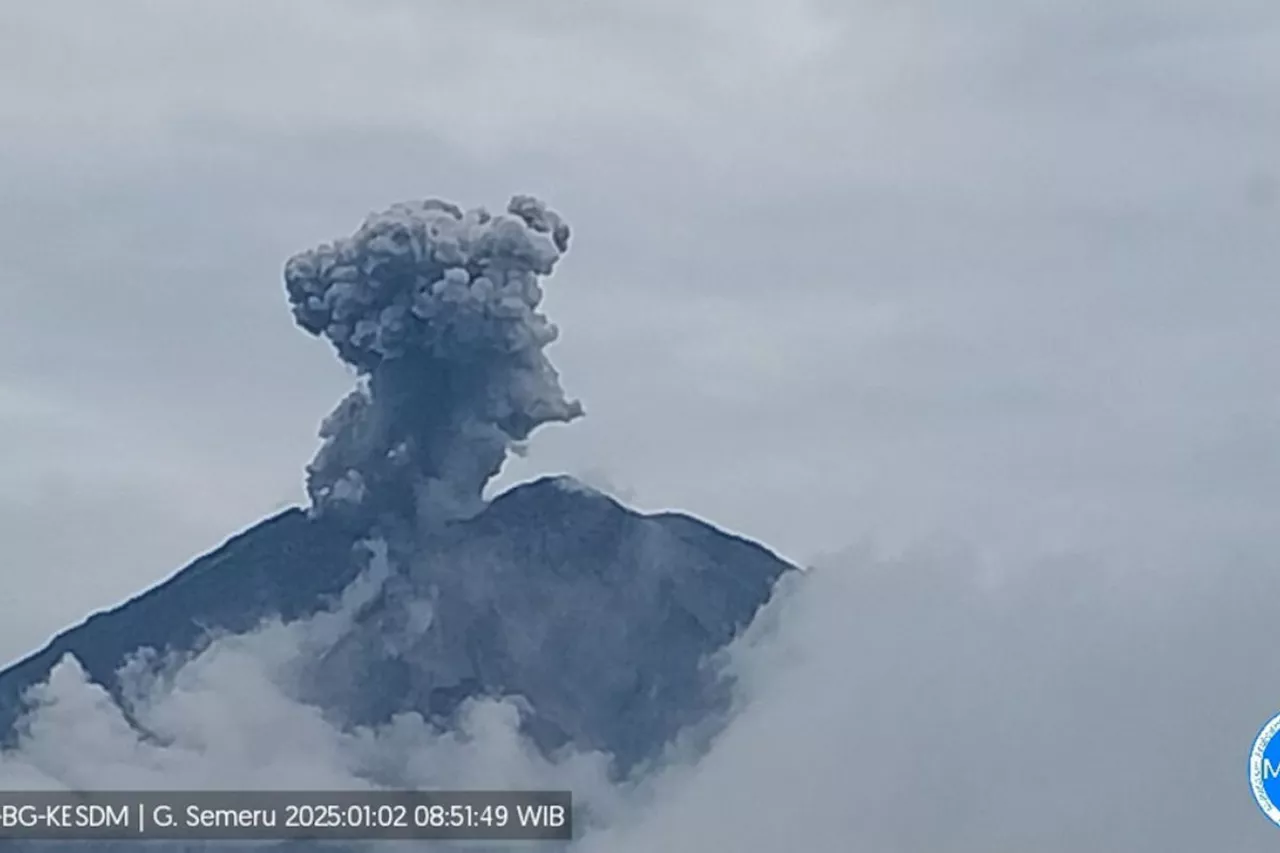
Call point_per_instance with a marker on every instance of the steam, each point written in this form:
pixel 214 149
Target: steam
pixel 437 310
pixel 230 716
pixel 928 702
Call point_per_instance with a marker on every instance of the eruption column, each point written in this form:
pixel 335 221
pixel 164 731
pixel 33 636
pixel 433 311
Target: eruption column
pixel 436 308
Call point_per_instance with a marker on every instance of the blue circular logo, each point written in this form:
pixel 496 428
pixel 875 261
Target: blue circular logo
pixel 1264 769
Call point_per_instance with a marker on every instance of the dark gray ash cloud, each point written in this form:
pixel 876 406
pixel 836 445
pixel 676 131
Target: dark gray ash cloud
pixel 436 308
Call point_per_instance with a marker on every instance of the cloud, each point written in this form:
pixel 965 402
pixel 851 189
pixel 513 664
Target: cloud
pixel 437 311
pixel 938 702
pixel 933 701
pixel 229 717
pixel 998 270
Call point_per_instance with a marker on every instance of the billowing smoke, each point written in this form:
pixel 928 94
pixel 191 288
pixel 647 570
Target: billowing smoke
pixel 229 716
pixel 437 310
pixel 927 702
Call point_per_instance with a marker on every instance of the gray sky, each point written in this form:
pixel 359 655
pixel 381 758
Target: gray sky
pixel 998 274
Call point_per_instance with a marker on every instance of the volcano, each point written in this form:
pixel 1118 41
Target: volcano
pixel 599 618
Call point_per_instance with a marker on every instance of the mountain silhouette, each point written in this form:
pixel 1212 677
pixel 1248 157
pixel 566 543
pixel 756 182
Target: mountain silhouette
pixel 601 618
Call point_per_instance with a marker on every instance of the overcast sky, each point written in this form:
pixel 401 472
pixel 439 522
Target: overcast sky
pixel 991 281
pixel 1000 271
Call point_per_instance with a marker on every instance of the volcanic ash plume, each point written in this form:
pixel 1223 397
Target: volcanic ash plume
pixel 437 310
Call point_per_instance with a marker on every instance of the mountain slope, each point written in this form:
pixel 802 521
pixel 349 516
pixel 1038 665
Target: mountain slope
pixel 599 616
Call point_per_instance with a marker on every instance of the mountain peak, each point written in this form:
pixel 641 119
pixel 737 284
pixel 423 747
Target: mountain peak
pixel 599 617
